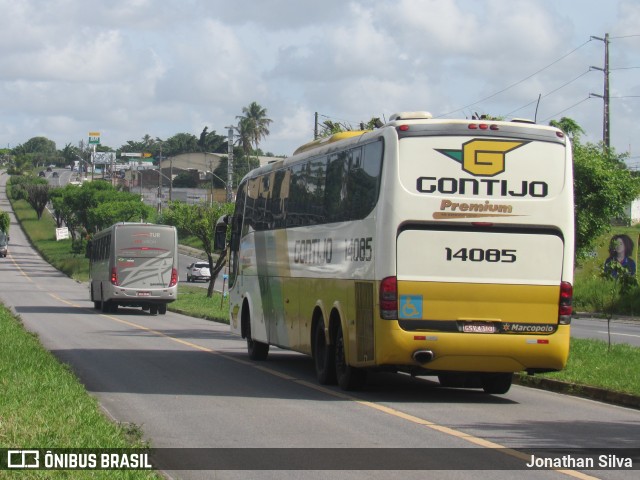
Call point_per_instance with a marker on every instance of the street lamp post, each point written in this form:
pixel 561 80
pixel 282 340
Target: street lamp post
pixel 229 183
pixel 213 175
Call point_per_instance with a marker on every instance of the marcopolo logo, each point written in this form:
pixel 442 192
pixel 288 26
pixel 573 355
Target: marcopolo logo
pixel 483 158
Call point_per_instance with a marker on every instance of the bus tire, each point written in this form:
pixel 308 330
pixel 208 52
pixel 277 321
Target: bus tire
pixel 162 309
pixel 323 356
pixel 153 310
pixel 257 351
pixel 349 378
pixel 96 303
pixel 104 305
pixel 497 383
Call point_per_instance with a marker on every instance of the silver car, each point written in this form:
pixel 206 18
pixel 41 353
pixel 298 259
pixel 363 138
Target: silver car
pixel 198 271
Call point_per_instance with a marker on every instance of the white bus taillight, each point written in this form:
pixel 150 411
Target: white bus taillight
pixel 389 298
pixel 174 277
pixel 566 303
pixel 114 276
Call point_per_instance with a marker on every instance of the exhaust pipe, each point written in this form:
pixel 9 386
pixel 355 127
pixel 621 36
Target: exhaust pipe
pixel 423 356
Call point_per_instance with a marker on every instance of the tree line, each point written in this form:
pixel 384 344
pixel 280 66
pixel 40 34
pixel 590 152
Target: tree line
pixel 252 127
pixel 603 185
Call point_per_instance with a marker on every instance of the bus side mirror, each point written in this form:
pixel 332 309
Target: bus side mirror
pixel 220 234
pixel 87 253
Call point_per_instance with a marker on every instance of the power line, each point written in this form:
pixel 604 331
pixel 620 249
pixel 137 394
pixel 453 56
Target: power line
pixel 516 83
pixel 623 68
pixel 549 93
pixel 568 108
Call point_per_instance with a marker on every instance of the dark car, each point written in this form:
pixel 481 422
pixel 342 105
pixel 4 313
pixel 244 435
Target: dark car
pixel 4 244
pixel 55 175
pixel 42 174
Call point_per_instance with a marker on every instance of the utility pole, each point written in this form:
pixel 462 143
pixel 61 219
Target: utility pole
pixel 229 164
pixel 606 131
pixel 160 181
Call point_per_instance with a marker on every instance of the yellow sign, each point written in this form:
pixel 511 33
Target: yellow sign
pixel 483 158
pixel 94 138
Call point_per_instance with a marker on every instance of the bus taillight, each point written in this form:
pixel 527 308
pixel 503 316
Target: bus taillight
pixel 389 298
pixel 114 276
pixel 566 303
pixel 174 277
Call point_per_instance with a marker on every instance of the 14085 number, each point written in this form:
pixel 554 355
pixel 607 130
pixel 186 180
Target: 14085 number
pixel 492 255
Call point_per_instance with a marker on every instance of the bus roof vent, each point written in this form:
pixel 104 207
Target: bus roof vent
pixel 522 120
pixel 410 116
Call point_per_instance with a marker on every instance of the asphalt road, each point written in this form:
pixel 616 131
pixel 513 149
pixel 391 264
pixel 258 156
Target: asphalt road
pixel 188 383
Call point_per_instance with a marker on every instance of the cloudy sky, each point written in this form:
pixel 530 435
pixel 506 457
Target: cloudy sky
pixel 127 68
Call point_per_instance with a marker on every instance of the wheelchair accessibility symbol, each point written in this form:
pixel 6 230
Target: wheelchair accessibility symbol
pixel 410 306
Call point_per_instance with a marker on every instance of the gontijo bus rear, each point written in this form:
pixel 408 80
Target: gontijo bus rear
pixel 436 247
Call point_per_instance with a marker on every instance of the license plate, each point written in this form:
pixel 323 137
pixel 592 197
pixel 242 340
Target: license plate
pixel 144 294
pixel 479 328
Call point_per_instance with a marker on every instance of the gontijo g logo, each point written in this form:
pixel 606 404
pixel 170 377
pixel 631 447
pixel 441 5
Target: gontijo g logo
pixel 483 158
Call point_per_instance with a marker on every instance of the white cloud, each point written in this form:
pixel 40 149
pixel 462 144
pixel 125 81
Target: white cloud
pixel 131 68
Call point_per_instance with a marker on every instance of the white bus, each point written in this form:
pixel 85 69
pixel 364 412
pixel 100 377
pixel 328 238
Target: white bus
pixel 433 247
pixel 134 265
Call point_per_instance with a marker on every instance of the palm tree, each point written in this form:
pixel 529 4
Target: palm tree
pixel 244 136
pixel 253 123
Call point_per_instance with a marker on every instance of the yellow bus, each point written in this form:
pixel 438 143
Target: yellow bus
pixel 428 246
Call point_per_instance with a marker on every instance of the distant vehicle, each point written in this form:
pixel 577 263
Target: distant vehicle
pixel 42 174
pixel 55 175
pixel 49 169
pixel 134 265
pixel 4 244
pixel 198 271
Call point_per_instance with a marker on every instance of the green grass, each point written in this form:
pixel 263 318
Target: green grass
pixel 43 405
pixel 43 237
pixel 594 363
pixel 193 301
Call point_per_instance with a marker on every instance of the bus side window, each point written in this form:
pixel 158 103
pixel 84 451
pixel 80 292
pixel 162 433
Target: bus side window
pixel 335 200
pixel 314 212
pixel 297 196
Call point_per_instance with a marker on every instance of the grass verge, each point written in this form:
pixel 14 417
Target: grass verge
pixel 193 301
pixel 593 363
pixel 42 234
pixel 43 405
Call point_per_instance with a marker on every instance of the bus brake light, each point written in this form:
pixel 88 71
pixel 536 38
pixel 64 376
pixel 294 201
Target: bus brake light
pixel 566 303
pixel 114 276
pixel 389 298
pixel 174 277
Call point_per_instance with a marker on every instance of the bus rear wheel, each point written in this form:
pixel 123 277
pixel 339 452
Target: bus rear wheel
pixel 497 383
pixel 162 309
pixel 257 350
pixel 323 356
pixel 349 378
